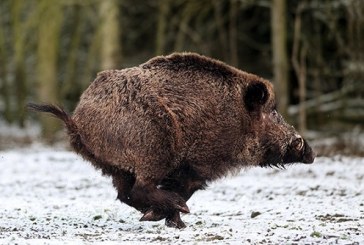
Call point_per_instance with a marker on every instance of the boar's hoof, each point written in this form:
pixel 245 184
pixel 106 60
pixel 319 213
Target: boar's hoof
pixel 151 215
pixel 175 221
pixel 183 209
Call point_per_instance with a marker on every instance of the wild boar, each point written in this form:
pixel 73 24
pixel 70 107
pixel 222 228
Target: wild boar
pixel 166 128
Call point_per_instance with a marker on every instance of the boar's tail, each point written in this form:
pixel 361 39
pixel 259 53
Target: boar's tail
pixel 57 112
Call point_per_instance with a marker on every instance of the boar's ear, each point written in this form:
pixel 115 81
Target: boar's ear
pixel 256 95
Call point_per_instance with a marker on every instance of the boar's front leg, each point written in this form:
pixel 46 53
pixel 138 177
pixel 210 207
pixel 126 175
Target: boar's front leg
pixel 183 181
pixel 155 203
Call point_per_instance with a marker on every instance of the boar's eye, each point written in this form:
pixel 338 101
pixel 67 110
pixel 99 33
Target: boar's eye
pixel 256 95
pixel 276 116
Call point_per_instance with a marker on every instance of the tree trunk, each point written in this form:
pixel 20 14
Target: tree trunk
pixel 4 85
pixel 299 54
pixel 163 8
pixel 110 34
pixel 19 58
pixel 280 63
pixel 50 20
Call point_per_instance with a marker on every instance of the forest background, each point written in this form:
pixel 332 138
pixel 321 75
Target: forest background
pixel 312 50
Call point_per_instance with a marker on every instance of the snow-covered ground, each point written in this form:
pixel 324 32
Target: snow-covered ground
pixel 52 196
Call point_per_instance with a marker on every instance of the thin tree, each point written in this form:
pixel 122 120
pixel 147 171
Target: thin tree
pixel 4 81
pixel 110 34
pixel 279 49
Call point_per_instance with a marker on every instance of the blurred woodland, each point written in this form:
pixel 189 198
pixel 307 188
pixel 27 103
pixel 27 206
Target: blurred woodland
pixel 312 50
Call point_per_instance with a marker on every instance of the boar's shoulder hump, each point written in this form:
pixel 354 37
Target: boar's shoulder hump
pixel 191 62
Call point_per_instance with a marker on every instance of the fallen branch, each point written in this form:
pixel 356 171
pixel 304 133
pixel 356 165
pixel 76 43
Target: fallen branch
pixel 318 103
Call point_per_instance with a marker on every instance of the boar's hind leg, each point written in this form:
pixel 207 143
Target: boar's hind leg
pixel 123 182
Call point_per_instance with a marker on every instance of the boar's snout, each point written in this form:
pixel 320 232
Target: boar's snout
pixel 299 151
pixel 308 154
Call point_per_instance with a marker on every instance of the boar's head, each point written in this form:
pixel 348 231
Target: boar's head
pixel 276 143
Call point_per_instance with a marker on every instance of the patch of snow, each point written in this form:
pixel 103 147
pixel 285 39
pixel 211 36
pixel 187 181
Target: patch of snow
pixel 52 196
pixel 7 130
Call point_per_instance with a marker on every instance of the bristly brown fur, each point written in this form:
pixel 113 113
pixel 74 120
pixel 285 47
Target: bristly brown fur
pixel 75 138
pixel 164 129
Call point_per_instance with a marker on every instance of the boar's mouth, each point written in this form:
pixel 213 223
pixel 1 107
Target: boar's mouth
pixel 272 157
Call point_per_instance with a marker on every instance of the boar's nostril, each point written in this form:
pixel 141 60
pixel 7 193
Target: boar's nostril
pixel 298 143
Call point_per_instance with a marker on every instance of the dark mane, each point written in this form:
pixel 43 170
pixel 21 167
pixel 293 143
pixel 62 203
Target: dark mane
pixel 190 61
